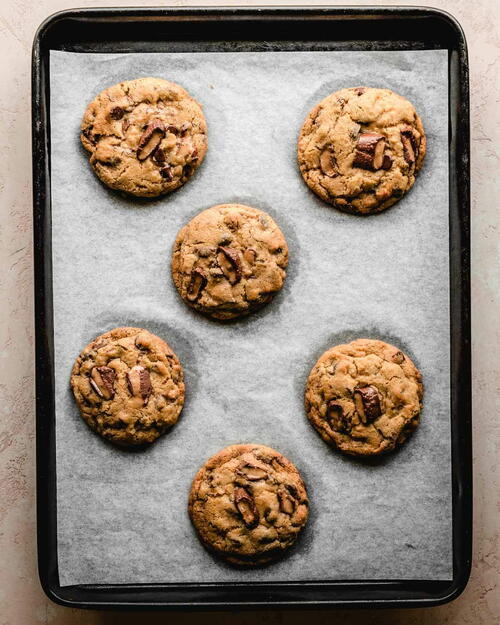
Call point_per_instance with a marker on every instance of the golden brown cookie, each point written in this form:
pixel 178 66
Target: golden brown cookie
pixel 248 504
pixel 129 386
pixel 229 260
pixel 361 148
pixel 145 136
pixel 364 397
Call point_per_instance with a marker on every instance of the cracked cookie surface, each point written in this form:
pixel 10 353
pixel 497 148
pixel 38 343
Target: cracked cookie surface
pixel 229 260
pixel 364 397
pixel 248 504
pixel 145 136
pixel 129 386
pixel 360 149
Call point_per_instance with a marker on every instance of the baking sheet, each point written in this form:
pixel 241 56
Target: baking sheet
pixel 121 516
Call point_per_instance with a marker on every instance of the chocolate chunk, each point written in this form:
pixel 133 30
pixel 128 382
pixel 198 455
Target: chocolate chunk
pixel 139 382
pixel 102 381
pixel 197 284
pixel 408 153
pixel 173 129
pixel 251 472
pixel 245 505
pixel 159 156
pixel 292 490
pixel 150 139
pixel 286 501
pixel 369 151
pixel 187 170
pixel 125 125
pixel 87 132
pixel 410 145
pixel 166 172
pixel 141 344
pixel 359 90
pixel 335 416
pixel 116 113
pixel 328 163
pixel 367 402
pixel 387 162
pixel 229 260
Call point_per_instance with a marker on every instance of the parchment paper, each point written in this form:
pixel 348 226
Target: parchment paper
pixel 122 516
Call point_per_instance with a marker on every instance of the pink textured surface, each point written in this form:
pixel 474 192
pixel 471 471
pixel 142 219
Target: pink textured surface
pixel 22 601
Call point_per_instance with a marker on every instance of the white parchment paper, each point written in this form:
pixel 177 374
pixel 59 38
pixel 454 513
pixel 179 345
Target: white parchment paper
pixel 122 516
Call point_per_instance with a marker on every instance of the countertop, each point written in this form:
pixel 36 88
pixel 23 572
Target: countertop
pixel 22 601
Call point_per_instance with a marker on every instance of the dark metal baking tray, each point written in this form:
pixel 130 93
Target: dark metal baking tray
pixel 258 29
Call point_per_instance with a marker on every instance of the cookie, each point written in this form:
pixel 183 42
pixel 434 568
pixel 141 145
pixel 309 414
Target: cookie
pixel 229 260
pixel 145 136
pixel 129 386
pixel 248 504
pixel 364 397
pixel 360 149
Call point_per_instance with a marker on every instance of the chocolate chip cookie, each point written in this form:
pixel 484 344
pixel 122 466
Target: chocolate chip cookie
pixel 248 504
pixel 364 397
pixel 229 260
pixel 129 386
pixel 145 136
pixel 360 149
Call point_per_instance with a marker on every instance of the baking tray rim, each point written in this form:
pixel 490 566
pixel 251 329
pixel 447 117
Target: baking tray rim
pixel 275 594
